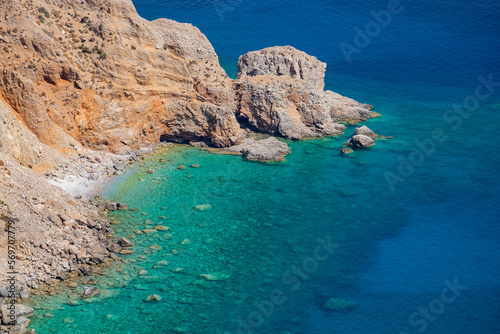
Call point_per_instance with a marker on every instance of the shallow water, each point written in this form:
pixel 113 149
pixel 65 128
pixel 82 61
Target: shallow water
pixel 393 251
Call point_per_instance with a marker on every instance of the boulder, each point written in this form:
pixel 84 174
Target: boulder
pixel 364 130
pixel 18 329
pixel 111 206
pixel 98 253
pixel 269 149
pixel 23 321
pixel 360 141
pixel 114 248
pixel 10 314
pixel 4 293
pixel 122 206
pixel 125 242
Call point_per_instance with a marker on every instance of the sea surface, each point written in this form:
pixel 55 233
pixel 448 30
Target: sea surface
pixel 405 235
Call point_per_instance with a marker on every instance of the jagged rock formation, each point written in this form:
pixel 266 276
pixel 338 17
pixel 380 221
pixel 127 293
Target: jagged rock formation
pixel 280 91
pixel 99 73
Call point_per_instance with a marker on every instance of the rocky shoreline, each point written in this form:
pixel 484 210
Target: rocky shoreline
pixel 87 87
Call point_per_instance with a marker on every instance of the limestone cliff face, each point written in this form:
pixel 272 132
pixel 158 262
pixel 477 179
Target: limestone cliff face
pixel 280 91
pixel 97 72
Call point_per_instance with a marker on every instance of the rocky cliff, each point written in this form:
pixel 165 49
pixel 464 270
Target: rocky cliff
pixel 93 75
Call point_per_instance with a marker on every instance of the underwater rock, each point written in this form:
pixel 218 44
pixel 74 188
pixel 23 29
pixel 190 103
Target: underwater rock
pixel 162 263
pixel 360 141
pixel 149 231
pixel 182 167
pixel 339 305
pixel 195 166
pixel 215 276
pixel 152 299
pixel 346 150
pixel 126 252
pixel 142 273
pixel 90 292
pixel 185 242
pixel 162 228
pixel 150 171
pixel 203 207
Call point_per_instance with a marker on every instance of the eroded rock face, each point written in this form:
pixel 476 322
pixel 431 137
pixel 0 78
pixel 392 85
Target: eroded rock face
pixel 280 92
pixel 111 79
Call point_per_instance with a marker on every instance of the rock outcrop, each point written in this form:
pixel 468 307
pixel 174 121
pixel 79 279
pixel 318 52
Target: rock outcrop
pixel 269 149
pixel 362 137
pixel 366 131
pixel 111 80
pixel 360 141
pixel 280 92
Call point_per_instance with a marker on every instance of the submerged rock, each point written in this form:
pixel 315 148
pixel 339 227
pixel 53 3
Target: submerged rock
pixel 152 299
pixel 339 305
pixel 203 207
pixel 346 150
pixel 360 141
pixel 215 276
pixel 90 292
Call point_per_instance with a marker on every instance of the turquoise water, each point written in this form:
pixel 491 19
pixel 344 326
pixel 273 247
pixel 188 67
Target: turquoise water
pixel 392 248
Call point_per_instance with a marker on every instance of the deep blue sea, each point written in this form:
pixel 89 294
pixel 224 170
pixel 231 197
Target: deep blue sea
pixel 405 235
